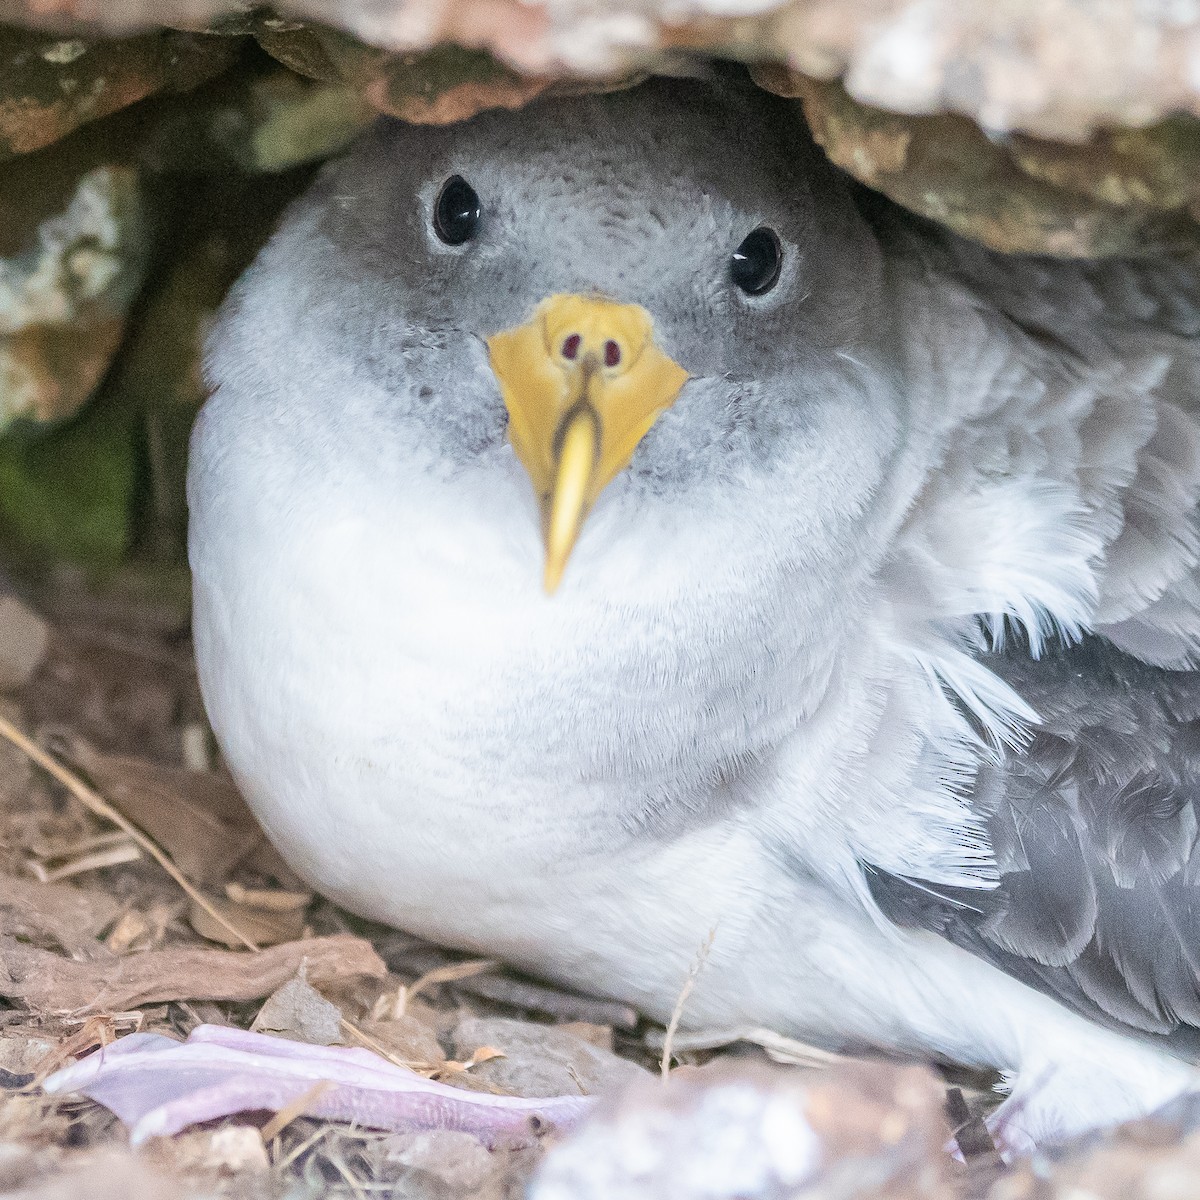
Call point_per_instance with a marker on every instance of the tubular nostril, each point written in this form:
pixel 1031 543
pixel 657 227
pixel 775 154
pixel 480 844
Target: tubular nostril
pixel 570 347
pixel 612 353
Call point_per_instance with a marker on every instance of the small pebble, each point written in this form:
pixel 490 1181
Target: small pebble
pixel 24 637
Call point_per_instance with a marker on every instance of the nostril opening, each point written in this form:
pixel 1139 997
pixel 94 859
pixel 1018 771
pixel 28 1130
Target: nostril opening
pixel 612 353
pixel 570 347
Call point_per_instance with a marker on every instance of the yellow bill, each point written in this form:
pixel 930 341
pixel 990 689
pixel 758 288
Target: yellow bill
pixel 583 382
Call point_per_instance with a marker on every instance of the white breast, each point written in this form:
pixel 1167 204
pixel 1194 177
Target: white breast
pixel 414 720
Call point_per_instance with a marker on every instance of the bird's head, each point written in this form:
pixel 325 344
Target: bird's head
pixel 666 286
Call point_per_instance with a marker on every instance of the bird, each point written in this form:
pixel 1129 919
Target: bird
pixel 626 547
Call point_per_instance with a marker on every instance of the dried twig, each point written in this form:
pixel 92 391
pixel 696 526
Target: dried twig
pixel 95 803
pixel 450 973
pixel 123 852
pixel 684 993
pixel 97 1030
pixel 779 1048
pixel 307 1144
pixel 344 1171
pixel 365 1039
pixel 298 1108
pixel 550 1002
pixel 49 983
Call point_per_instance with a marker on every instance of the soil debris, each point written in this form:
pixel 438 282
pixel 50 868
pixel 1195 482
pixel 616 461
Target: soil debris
pixel 51 983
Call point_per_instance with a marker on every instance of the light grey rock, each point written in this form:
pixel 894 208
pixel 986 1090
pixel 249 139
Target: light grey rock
pixel 541 1060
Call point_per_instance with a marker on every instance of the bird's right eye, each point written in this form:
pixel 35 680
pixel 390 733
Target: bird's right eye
pixel 456 212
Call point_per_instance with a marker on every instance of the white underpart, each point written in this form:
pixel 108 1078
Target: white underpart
pixel 391 694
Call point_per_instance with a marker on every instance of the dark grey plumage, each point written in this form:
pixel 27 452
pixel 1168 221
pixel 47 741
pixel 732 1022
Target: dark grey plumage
pixel 1094 826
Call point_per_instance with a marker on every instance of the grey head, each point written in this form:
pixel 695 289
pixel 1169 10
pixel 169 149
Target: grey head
pixel 640 197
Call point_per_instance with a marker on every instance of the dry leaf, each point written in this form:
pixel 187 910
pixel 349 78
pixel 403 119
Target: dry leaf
pixel 449 973
pixel 122 850
pixel 70 917
pixel 261 926
pixel 481 1055
pixel 199 819
pixel 406 1039
pixel 268 899
pixel 132 927
pixel 100 1030
pixel 50 983
pixel 600 1036
pixel 95 803
pixel 143 930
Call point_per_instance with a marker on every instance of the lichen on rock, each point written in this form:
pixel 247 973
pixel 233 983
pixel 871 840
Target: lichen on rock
pixel 49 86
pixel 1056 69
pixel 70 270
pixel 1124 192
pixel 443 84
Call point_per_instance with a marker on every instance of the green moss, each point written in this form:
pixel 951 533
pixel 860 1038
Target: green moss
pixel 66 494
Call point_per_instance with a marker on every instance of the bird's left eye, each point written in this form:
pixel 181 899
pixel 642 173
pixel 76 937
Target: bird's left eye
pixel 456 212
pixel 756 262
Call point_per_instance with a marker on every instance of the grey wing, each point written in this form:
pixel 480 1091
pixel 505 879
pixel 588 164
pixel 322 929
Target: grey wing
pixel 1111 401
pixel 1141 317
pixel 1094 826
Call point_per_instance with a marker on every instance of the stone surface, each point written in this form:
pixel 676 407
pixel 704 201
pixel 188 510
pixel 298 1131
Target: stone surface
pixel 906 68
pixel 1152 1159
pixel 1055 68
pixel 1122 193
pixel 741 1132
pixel 50 86
pixel 447 83
pixel 297 1010
pixel 21 1055
pixel 73 253
pixel 541 1060
pixel 26 1174
pixel 24 637
pixel 441 1164
pixel 407 1037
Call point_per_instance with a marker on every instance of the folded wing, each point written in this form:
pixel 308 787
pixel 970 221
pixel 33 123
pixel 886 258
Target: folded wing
pixel 1094 826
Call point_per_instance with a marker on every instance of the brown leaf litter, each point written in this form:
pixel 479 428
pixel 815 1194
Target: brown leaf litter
pixel 48 983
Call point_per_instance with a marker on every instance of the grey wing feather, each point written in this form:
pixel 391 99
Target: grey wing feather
pixel 1114 402
pixel 1094 824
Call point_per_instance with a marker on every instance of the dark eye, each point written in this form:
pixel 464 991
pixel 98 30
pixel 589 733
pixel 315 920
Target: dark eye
pixel 756 262
pixel 456 212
